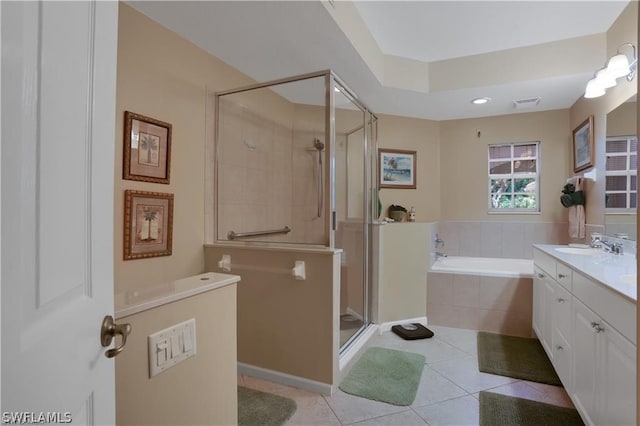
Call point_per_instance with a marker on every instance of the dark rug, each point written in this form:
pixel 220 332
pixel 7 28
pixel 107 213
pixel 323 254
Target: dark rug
pixel 517 357
pixel 503 410
pixel 385 375
pixel 256 408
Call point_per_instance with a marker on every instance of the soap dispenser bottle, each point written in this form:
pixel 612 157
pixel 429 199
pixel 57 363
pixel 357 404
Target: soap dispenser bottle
pixel 412 215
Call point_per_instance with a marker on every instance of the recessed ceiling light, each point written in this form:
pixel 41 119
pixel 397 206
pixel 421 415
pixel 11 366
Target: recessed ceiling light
pixel 480 101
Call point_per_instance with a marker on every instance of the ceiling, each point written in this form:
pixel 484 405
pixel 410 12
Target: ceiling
pixel 423 59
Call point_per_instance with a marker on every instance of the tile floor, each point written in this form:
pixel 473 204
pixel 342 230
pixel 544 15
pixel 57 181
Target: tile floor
pixel 447 395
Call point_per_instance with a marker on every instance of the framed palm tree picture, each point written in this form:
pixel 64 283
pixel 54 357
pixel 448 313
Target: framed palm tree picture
pixel 148 224
pixel 147 149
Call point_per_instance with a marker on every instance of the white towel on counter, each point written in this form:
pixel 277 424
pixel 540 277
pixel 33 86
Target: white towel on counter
pixel 577 227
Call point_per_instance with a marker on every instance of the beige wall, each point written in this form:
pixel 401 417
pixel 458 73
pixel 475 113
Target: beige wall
pixel 285 325
pixel 422 136
pixel 200 390
pixel 463 163
pixel 622 120
pixel 165 77
pixel 625 29
pixel 404 259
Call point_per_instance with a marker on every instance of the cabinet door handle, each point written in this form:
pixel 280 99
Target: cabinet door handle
pixel 540 275
pixel 560 300
pixel 561 276
pixel 597 327
pixel 559 348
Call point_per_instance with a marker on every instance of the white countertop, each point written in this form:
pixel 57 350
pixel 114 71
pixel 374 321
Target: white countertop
pixel 611 270
pixel 134 301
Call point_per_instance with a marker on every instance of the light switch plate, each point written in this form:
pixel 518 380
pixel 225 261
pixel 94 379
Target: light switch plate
pixel 172 345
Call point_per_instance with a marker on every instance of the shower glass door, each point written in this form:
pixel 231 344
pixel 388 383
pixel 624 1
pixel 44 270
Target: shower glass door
pixel 352 206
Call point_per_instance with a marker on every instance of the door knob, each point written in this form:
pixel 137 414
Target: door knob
pixel 109 330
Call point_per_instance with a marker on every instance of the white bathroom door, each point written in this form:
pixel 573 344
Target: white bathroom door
pixel 57 176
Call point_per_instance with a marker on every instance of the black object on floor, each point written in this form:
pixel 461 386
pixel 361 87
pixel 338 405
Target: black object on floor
pixel 412 331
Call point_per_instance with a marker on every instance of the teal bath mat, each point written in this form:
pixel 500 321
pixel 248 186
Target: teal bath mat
pixel 262 408
pixel 385 375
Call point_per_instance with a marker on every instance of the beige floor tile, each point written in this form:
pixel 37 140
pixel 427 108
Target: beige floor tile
pixel 447 394
pixel 435 388
pixel 520 390
pixel 464 372
pixel 351 409
pixel 406 418
pixel 461 411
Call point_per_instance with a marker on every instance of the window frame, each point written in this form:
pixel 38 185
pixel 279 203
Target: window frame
pixel 512 176
pixel 628 172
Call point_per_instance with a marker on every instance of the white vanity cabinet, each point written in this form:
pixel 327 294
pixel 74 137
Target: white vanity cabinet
pixel 552 320
pixel 544 289
pixel 588 332
pixel 604 368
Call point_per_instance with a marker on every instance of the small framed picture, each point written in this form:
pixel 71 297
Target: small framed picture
pixel 147 149
pixel 148 224
pixel 397 168
pixel 583 152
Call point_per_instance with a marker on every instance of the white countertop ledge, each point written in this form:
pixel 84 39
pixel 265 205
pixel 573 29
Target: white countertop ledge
pixel 605 268
pixel 135 301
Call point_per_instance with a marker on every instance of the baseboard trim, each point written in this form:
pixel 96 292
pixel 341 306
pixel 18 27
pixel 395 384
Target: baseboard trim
pixel 386 326
pixel 284 379
pixel 353 349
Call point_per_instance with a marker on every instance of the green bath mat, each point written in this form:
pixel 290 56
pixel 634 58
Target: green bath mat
pixel 517 357
pixel 262 408
pixel 503 410
pixel 385 375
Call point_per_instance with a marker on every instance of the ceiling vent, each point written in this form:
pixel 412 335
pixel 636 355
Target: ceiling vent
pixel 526 103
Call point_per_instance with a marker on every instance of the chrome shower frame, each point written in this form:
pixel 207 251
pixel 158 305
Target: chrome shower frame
pixel 370 181
pixel 331 81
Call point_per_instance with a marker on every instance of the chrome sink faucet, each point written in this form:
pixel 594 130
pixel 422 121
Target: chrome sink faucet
pixel 610 246
pixel 596 242
pixel 613 247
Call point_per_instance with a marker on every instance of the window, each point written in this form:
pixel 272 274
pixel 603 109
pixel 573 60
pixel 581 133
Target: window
pixel 513 177
pixel 621 180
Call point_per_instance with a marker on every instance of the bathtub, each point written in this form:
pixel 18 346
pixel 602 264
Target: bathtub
pixel 481 293
pixel 484 266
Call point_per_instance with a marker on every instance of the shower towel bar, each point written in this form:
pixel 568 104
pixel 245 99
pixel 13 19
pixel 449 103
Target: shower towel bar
pixel 298 270
pixel 233 235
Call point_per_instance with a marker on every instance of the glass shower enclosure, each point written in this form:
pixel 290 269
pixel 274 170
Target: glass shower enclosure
pixel 295 168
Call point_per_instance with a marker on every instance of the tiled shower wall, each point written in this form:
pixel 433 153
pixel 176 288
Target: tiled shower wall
pixel 266 175
pixel 498 239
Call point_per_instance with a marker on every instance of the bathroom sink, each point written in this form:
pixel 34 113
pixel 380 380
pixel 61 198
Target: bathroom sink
pixel 580 251
pixel 628 279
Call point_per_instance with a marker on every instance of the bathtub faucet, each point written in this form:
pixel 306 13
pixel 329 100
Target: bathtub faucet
pixel 439 255
pixel 439 241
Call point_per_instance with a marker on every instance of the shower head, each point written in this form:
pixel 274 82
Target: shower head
pixel 317 144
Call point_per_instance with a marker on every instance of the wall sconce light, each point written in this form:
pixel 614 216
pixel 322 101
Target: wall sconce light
pixel 618 66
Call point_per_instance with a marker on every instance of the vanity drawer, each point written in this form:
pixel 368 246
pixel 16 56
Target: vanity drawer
pixel 614 308
pixel 563 275
pixel 545 262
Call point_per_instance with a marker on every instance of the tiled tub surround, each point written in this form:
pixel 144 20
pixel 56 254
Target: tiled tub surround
pixel 478 301
pixel 498 239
